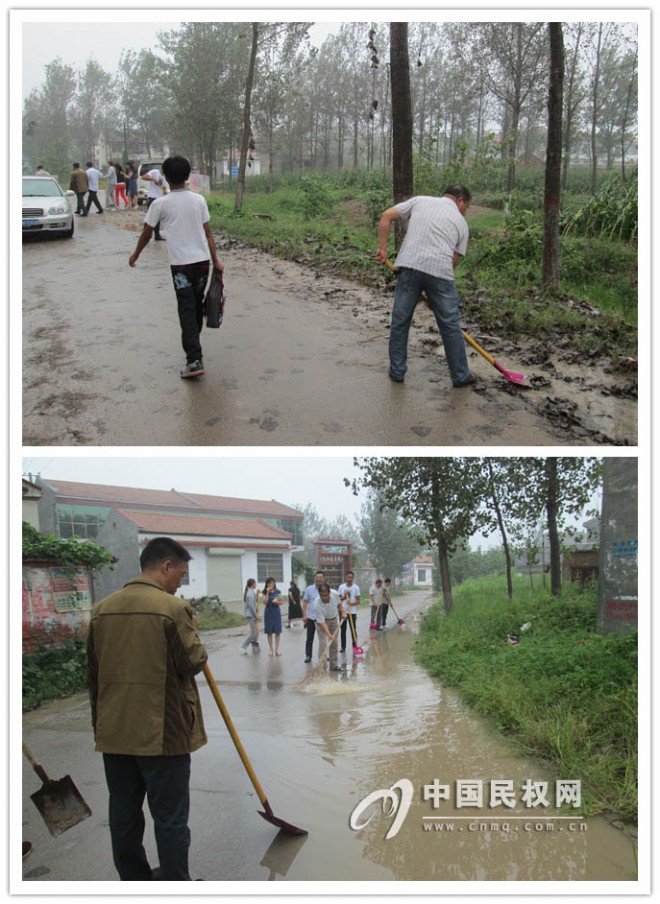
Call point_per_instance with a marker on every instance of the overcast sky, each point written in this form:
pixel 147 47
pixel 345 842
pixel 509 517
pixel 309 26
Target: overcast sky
pixel 77 35
pixel 289 480
pixel 104 39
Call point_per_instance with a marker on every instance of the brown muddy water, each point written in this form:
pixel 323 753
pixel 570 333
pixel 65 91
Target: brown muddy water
pixel 320 745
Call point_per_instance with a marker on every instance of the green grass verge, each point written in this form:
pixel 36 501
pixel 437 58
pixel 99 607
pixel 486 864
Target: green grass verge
pixel 563 693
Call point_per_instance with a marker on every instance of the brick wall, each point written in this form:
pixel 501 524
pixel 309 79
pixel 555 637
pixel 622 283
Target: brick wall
pixel 54 611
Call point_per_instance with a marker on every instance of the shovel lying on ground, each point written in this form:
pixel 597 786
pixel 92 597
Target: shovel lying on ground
pixel 268 815
pixel 59 802
pixel 510 375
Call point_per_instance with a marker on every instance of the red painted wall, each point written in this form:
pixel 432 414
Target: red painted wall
pixel 48 618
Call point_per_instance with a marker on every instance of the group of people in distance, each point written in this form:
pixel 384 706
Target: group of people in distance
pixel 325 612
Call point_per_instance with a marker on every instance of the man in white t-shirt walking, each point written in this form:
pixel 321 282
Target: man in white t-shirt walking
pixel 436 240
pixel 185 216
pixel 157 188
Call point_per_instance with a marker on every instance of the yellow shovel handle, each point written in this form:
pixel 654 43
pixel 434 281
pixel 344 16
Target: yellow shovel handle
pixel 477 347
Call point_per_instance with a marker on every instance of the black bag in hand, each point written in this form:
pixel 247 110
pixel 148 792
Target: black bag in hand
pixel 214 301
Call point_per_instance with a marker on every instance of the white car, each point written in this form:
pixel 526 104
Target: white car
pixel 46 208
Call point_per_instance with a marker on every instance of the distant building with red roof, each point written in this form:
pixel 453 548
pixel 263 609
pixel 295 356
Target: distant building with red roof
pixel 230 539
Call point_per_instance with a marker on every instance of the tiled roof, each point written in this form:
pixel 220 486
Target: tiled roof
pixel 98 492
pixel 267 508
pixel 199 525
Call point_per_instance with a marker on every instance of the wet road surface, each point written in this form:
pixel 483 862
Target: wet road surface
pixel 319 745
pixel 298 361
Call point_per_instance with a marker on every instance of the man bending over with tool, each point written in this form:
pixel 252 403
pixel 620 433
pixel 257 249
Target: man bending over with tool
pixel 436 240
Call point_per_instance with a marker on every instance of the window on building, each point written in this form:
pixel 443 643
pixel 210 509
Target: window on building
pixel 83 521
pixel 270 565
pixel 293 527
pixel 421 575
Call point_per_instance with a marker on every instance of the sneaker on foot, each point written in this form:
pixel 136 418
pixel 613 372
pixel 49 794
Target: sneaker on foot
pixel 242 651
pixel 194 369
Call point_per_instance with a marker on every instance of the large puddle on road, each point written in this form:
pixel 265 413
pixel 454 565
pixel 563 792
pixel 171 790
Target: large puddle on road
pixel 326 743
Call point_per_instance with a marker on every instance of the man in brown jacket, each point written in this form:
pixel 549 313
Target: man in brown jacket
pixel 80 184
pixel 143 652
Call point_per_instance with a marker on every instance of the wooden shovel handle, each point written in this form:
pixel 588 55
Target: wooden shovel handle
pixel 234 734
pixel 41 772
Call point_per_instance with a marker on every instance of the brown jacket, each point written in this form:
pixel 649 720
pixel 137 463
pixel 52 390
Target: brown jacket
pixel 142 654
pixel 79 182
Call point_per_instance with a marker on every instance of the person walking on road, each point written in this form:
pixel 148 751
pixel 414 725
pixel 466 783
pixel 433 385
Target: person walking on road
pixel 273 600
pixel 309 617
pixel 80 185
pixel 157 188
pixel 250 612
pixel 120 187
pixel 327 616
pixel 143 652
pixel 185 216
pixel 349 594
pixel 93 176
pixel 132 183
pixel 110 187
pixel 436 240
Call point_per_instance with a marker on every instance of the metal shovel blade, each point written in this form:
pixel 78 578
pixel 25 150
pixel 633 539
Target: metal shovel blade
pixel 287 827
pixel 60 804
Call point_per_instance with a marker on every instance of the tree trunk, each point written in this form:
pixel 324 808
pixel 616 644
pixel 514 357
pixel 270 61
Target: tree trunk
pixel 552 485
pixel 245 143
pixel 553 160
pixel 402 121
pixel 595 100
pixel 445 578
pixel 502 529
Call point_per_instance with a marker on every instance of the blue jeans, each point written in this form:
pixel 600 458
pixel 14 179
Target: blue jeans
pixel 443 298
pixel 165 780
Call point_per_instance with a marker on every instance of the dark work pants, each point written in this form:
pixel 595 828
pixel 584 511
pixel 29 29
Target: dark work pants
pixel 309 639
pixel 345 626
pixel 150 201
pixel 93 198
pixel 190 286
pixel 165 780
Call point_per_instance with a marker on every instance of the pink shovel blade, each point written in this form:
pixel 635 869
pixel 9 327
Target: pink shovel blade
pixel 512 377
pixel 358 651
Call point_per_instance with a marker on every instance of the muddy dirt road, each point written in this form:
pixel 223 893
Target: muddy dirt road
pixel 300 360
pixel 319 745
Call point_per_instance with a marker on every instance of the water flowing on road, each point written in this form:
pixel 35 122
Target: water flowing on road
pixel 320 744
